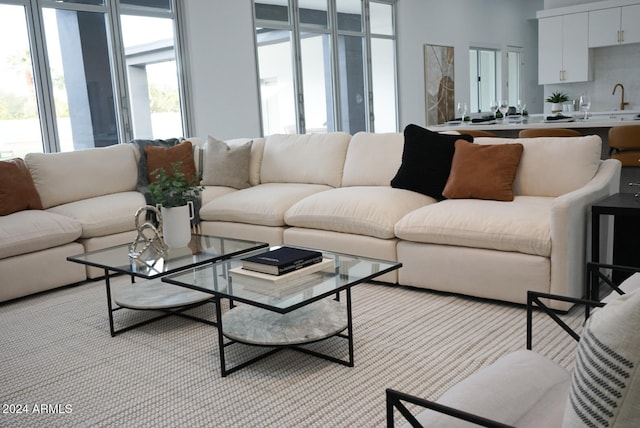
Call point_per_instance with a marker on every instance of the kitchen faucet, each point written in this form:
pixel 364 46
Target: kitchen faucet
pixel 622 101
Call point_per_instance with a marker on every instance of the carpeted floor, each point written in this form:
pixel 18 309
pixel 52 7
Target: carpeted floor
pixel 57 357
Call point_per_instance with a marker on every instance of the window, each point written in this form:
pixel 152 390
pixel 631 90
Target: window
pixel 19 117
pixel 79 69
pixel 483 80
pixel 515 67
pixel 152 75
pixel 324 67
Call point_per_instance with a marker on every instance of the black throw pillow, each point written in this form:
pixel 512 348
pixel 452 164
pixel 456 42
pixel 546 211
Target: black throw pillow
pixel 426 161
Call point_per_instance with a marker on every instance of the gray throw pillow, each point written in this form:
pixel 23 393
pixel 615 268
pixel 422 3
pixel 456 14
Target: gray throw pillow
pixel 226 165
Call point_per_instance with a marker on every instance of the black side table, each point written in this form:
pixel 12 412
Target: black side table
pixel 626 248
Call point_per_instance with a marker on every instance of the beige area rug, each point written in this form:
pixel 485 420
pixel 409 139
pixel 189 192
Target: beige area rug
pixel 57 357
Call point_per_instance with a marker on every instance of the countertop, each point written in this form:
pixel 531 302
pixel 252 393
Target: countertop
pixel 595 120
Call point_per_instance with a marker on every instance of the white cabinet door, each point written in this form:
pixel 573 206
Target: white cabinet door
pixel 550 50
pixel 604 27
pixel 614 26
pixel 575 48
pixel 563 49
pixel 631 24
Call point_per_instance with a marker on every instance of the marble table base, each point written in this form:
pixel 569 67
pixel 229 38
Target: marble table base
pixel 156 294
pixel 257 326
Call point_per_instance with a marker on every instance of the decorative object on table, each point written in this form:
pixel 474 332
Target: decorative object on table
pixel 439 83
pixel 281 260
pixel 174 192
pixel 149 235
pixel 503 108
pixel 462 109
pixel 559 118
pixel 556 99
pixel 585 105
pixel 157 153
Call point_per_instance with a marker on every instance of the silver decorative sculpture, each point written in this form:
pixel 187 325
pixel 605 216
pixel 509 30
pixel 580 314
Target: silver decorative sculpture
pixel 149 236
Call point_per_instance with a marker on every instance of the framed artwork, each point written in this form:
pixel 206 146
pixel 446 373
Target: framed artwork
pixel 439 84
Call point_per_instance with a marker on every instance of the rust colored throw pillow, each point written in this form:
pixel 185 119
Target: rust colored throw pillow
pixel 17 191
pixel 480 171
pixel 161 157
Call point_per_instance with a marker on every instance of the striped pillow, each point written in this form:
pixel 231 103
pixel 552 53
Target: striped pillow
pixel 605 385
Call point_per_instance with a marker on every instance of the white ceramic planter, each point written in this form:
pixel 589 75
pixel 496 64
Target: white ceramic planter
pixel 176 225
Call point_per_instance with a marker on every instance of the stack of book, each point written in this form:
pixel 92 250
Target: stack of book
pixel 281 260
pixel 281 271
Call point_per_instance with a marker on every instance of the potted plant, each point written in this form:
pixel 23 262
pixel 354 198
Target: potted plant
pixel 556 99
pixel 174 193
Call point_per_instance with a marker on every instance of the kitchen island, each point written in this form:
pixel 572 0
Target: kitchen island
pixel 605 119
pixel 598 123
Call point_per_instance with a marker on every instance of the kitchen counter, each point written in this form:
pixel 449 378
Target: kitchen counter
pixel 596 120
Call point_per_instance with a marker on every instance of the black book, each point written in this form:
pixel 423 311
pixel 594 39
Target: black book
pixel 281 260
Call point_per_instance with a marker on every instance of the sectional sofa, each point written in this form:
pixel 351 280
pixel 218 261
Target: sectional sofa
pixel 332 191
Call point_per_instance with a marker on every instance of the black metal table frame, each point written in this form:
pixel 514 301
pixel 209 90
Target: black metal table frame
pixel 615 205
pixel 177 311
pixel 223 341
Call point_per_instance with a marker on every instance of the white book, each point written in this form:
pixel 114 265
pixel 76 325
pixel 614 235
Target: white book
pixel 276 285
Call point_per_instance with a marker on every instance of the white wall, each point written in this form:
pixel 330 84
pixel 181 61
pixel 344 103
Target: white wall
pixel 222 69
pixel 222 55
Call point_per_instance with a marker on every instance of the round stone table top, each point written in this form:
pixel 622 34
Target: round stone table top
pixel 257 326
pixel 156 294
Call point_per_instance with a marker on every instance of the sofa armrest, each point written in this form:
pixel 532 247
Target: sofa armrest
pixel 395 400
pixel 569 229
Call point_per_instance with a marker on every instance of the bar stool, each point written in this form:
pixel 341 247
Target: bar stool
pixel 624 144
pixel 548 132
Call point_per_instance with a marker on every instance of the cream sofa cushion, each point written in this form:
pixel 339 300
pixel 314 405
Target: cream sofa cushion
pixel 71 176
pixel 264 204
pixel 34 230
pixel 308 158
pixel 522 225
pixel 361 210
pixel 104 215
pixel 372 159
pixel 553 166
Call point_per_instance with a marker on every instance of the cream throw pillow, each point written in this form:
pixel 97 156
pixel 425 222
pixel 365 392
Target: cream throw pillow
pixel 226 165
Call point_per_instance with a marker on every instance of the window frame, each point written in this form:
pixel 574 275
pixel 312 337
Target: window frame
pixel 476 68
pixel 295 27
pixel 112 10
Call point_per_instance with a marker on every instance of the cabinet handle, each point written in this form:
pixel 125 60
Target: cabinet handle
pixel 621 36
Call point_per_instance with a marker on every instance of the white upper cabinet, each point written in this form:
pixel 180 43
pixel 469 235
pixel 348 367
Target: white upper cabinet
pixel 563 49
pixel 614 26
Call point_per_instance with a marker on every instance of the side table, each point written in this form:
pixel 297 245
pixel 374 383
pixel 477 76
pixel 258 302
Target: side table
pixel 623 207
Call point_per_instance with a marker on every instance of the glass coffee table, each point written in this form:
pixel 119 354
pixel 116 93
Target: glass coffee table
pixel 154 294
pixel 307 310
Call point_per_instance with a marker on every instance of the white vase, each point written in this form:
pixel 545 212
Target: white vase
pixel 176 225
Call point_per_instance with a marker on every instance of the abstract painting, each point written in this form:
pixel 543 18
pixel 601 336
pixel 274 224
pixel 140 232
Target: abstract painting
pixel 439 83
